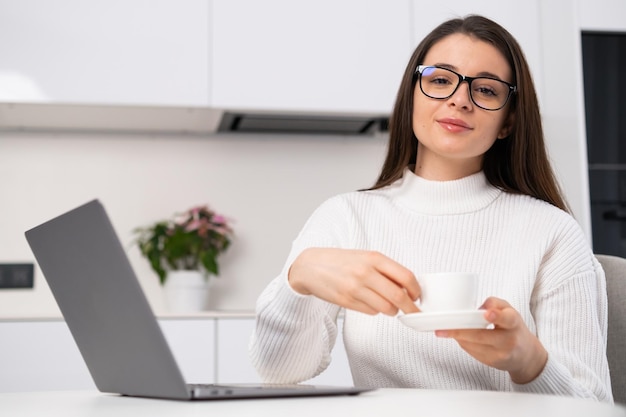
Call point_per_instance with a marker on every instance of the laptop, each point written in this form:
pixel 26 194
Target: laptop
pixel 111 321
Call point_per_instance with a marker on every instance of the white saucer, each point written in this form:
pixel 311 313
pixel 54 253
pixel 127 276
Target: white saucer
pixel 446 320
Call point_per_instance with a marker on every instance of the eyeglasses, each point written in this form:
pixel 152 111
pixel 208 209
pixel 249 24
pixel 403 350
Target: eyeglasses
pixel 486 92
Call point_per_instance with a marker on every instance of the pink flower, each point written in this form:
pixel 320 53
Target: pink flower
pixel 193 225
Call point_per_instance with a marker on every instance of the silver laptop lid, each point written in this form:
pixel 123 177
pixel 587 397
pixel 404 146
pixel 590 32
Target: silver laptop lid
pixel 104 306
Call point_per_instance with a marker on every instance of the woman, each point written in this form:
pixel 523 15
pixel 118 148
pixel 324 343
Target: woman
pixel 466 186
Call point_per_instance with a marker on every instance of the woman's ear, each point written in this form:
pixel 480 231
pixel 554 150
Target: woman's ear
pixel 507 127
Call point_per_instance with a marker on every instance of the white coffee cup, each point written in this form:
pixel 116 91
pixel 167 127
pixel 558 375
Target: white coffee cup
pixel 447 291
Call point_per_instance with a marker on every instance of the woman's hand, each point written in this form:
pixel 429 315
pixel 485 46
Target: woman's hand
pixel 364 281
pixel 510 346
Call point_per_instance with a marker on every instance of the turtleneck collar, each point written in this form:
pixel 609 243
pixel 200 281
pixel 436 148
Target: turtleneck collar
pixel 460 196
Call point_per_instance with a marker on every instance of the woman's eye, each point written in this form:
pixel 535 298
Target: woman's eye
pixel 440 80
pixel 486 91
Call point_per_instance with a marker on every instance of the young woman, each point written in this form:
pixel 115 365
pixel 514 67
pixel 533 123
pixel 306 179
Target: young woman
pixel 466 186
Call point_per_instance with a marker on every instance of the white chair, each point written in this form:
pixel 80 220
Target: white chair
pixel 615 270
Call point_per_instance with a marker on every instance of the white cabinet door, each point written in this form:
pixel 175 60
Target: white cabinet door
pixel 40 356
pixel 192 342
pixel 321 55
pixel 233 361
pixel 105 52
pixel 234 364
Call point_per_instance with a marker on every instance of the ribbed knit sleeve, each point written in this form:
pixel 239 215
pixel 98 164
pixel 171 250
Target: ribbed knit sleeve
pixel 293 343
pixel 570 311
pixel 295 334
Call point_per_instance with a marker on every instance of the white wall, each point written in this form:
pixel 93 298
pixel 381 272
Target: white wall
pixel 602 15
pixel 268 184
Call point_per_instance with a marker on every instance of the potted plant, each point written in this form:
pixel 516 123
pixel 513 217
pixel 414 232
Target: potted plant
pixel 183 252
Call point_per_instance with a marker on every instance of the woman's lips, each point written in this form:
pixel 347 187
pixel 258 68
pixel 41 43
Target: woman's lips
pixel 454 125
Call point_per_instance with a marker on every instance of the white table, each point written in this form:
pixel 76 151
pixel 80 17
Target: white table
pixel 383 402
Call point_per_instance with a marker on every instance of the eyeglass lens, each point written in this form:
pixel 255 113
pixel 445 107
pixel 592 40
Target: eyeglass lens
pixel 441 83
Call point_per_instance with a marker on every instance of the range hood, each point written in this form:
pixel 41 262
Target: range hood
pixel 183 120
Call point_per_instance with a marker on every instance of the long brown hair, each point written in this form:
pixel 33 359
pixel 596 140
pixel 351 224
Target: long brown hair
pixel 518 163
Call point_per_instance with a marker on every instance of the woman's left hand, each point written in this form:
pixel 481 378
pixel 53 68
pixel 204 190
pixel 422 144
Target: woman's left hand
pixel 510 346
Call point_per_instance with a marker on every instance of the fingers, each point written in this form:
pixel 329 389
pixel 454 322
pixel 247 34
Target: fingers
pixel 397 273
pixel 396 296
pixel 371 279
pixel 371 302
pixel 494 303
pixel 393 282
pixel 510 346
pixel 379 292
pixel 500 313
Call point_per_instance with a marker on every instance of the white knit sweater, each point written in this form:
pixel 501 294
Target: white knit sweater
pixel 526 251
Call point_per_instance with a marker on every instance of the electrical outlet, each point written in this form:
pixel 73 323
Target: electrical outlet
pixel 17 275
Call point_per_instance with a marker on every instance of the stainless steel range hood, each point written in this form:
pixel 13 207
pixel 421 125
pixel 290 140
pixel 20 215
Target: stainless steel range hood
pixel 251 122
pixel 185 120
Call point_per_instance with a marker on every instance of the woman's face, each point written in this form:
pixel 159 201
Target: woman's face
pixel 454 133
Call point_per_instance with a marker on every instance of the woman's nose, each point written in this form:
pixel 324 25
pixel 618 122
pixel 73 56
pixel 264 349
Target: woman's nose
pixel 461 96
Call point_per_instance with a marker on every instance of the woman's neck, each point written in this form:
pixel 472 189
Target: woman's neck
pixel 435 167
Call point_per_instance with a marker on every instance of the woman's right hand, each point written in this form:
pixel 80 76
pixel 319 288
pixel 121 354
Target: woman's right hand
pixel 365 281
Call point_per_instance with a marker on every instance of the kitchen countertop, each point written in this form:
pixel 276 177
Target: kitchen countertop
pixel 203 315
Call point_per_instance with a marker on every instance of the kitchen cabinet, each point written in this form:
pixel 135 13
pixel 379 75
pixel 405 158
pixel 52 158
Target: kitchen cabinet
pixel 305 56
pixel 40 355
pixel 114 52
pixel 192 342
pixel 321 55
pixel 233 337
pixel 176 66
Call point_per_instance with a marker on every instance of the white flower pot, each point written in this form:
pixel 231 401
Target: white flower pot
pixel 186 291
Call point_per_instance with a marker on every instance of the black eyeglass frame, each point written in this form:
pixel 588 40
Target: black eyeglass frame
pixel 421 68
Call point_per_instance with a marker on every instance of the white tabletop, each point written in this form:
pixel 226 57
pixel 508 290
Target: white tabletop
pixel 383 402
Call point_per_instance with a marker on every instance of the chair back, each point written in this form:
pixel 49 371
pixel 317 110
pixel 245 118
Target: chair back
pixel 615 271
